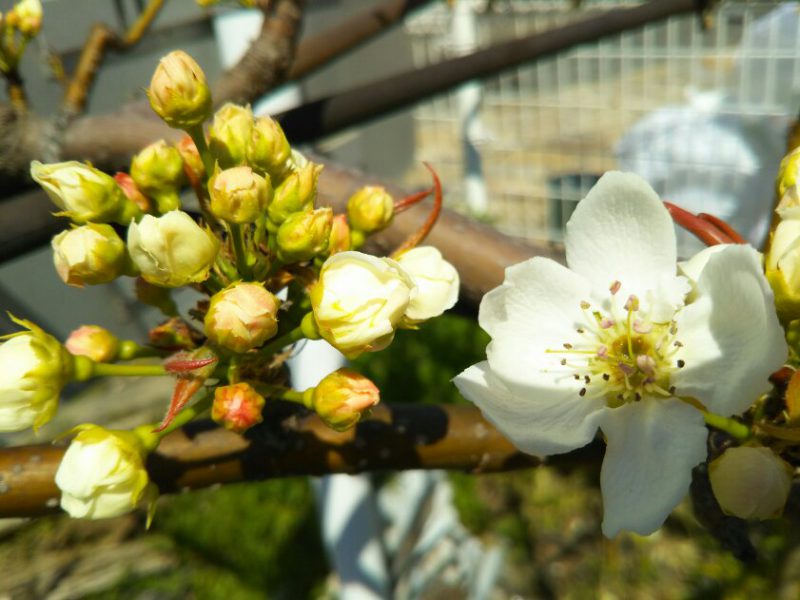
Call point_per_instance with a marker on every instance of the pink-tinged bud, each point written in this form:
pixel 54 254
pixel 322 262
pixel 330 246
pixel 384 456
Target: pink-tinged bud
pixel 192 162
pixel 750 483
pixel 295 194
pixel 158 171
pixel 88 255
pixel 229 135
pixel 93 341
pixel 242 317
pixel 343 397
pixel 239 195
pixel 237 407
pixel 132 191
pixel 179 93
pixel 268 149
pixel 370 209
pixel 304 235
pixel 339 240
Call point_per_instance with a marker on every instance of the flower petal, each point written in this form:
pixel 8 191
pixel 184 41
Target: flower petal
pixel 652 447
pixel 731 338
pixel 538 425
pixel 622 232
pixel 535 311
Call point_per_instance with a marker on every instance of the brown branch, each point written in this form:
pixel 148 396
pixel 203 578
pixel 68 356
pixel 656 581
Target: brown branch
pixel 102 38
pixel 292 442
pixel 331 43
pixel 266 63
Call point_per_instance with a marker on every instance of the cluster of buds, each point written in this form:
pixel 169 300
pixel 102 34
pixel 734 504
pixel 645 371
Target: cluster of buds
pixel 17 27
pixel 259 236
pixel 782 261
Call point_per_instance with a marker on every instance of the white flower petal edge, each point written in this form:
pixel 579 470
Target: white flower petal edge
pixel 541 425
pixel 621 231
pixel 731 337
pixel 651 450
pixel 532 312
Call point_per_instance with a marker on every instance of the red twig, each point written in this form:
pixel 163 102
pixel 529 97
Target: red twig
pixel 705 230
pixel 418 236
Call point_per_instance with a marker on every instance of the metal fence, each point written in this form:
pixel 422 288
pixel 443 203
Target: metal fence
pixel 699 113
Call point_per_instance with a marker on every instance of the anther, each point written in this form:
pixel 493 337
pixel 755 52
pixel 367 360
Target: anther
pixel 582 392
pixel 568 346
pixel 672 390
pixel 681 363
pixel 585 305
pixel 563 362
pixel 602 351
pixel 677 344
pixel 632 303
pixel 646 364
pixel 606 376
pixel 577 377
pixel 606 323
pixel 642 327
pixel 638 396
pixel 580 330
pixel 614 287
pixel 587 379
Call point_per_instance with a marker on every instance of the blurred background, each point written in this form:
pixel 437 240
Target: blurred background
pixel 701 114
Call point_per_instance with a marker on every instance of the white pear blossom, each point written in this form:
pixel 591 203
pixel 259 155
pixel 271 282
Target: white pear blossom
pixel 172 250
pixel 436 280
pixel 359 301
pixel 103 474
pixel 620 342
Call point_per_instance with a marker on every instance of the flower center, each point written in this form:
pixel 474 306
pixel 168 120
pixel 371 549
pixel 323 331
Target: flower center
pixel 621 354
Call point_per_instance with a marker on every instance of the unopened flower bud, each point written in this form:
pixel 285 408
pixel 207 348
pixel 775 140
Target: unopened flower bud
pixel 750 483
pixel 158 171
pixel 96 342
pixel 132 191
pixel 89 255
pixel 787 180
pixel 436 280
pixel 343 397
pixel 172 250
pixel 229 134
pixel 84 193
pixel 192 161
pixel 179 93
pixel 339 240
pixel 370 209
pixel 155 296
pixel 239 195
pixel 295 194
pixel 782 266
pixel 103 474
pixel 359 301
pixel 173 334
pixel 237 407
pixel 26 17
pixel 34 367
pixel 268 149
pixel 242 317
pixel 302 236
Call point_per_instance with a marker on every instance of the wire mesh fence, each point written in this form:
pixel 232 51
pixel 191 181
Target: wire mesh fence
pixel 700 113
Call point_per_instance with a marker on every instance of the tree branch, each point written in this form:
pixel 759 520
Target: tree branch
pixel 266 63
pixel 293 442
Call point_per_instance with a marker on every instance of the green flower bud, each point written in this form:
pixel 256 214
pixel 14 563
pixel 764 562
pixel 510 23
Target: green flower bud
pixel 89 255
pixel 158 172
pixel 179 93
pixel 339 240
pixel 304 235
pixel 239 195
pixel 229 134
pixel 84 193
pixel 370 209
pixel 295 194
pixel 343 397
pixel 268 149
pixel 786 181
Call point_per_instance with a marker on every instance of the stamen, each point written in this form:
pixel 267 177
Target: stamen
pixel 585 305
pixel 568 346
pixel 577 377
pixel 563 362
pixel 580 330
pixel 642 327
pixel 602 351
pixel 614 287
pixel 587 380
pixel 606 323
pixel 646 364
pixel 681 363
pixel 582 392
pixel 606 376
pixel 632 303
